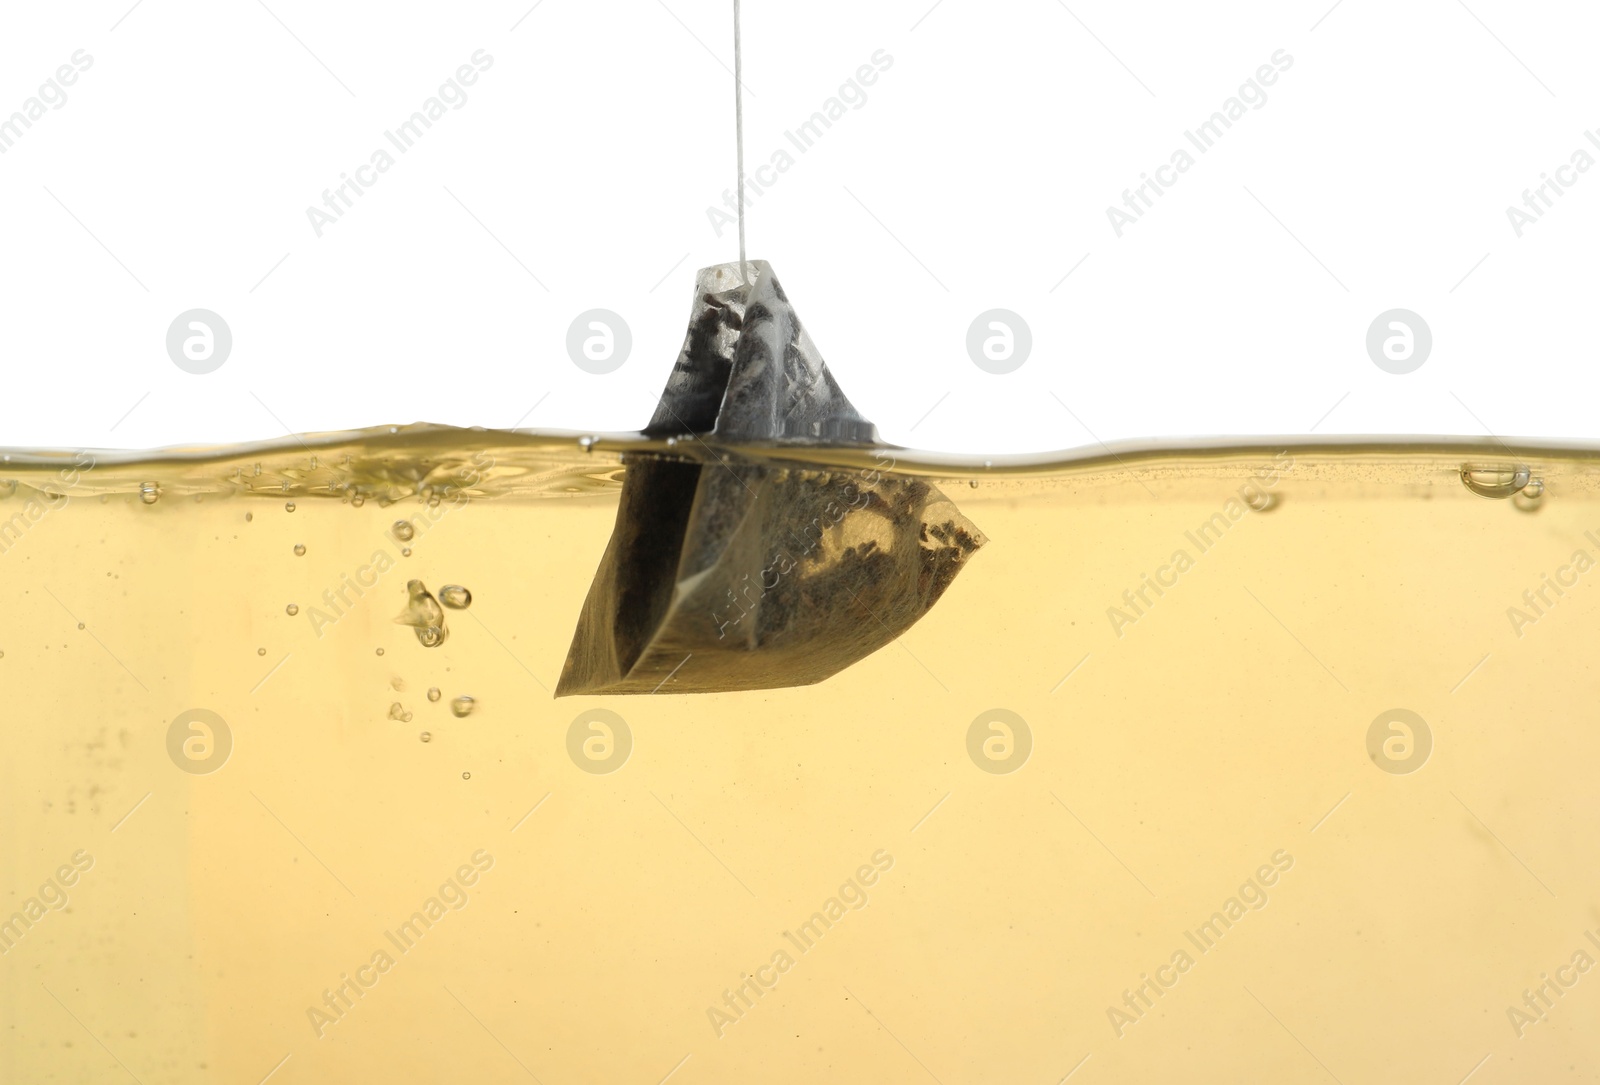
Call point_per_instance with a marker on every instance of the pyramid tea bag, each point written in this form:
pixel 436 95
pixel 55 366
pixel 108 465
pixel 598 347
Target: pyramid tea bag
pixel 732 573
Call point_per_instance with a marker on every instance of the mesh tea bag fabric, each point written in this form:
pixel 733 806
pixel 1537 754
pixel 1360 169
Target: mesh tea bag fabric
pixel 730 573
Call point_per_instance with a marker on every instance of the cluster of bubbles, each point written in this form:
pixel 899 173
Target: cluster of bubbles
pixel 460 707
pixel 1502 480
pixel 425 614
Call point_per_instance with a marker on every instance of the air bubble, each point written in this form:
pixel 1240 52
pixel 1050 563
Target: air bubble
pixel 288 506
pixel 80 625
pixel 380 651
pixel 423 614
pixel 1262 502
pixel 261 651
pixel 1498 481
pixel 434 694
pixel 466 775
pixel 404 531
pixel 299 550
pixel 455 597
pixel 1531 497
pixel 291 610
pixel 149 493
pixel 358 500
pixel 461 707
pixel 426 736
pixel 405 551
pixel 249 516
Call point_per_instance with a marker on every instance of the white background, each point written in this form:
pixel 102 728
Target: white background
pixel 977 175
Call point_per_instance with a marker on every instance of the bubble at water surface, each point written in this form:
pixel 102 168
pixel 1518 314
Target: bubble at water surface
pixel 1531 497
pixel 1497 481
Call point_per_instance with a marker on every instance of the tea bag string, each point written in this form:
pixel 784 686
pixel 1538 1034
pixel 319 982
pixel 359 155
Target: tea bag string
pixel 738 113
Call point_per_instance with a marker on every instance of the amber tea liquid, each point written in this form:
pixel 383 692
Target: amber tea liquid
pixel 1253 764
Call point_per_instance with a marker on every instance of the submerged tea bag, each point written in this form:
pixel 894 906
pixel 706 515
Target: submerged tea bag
pixel 732 573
